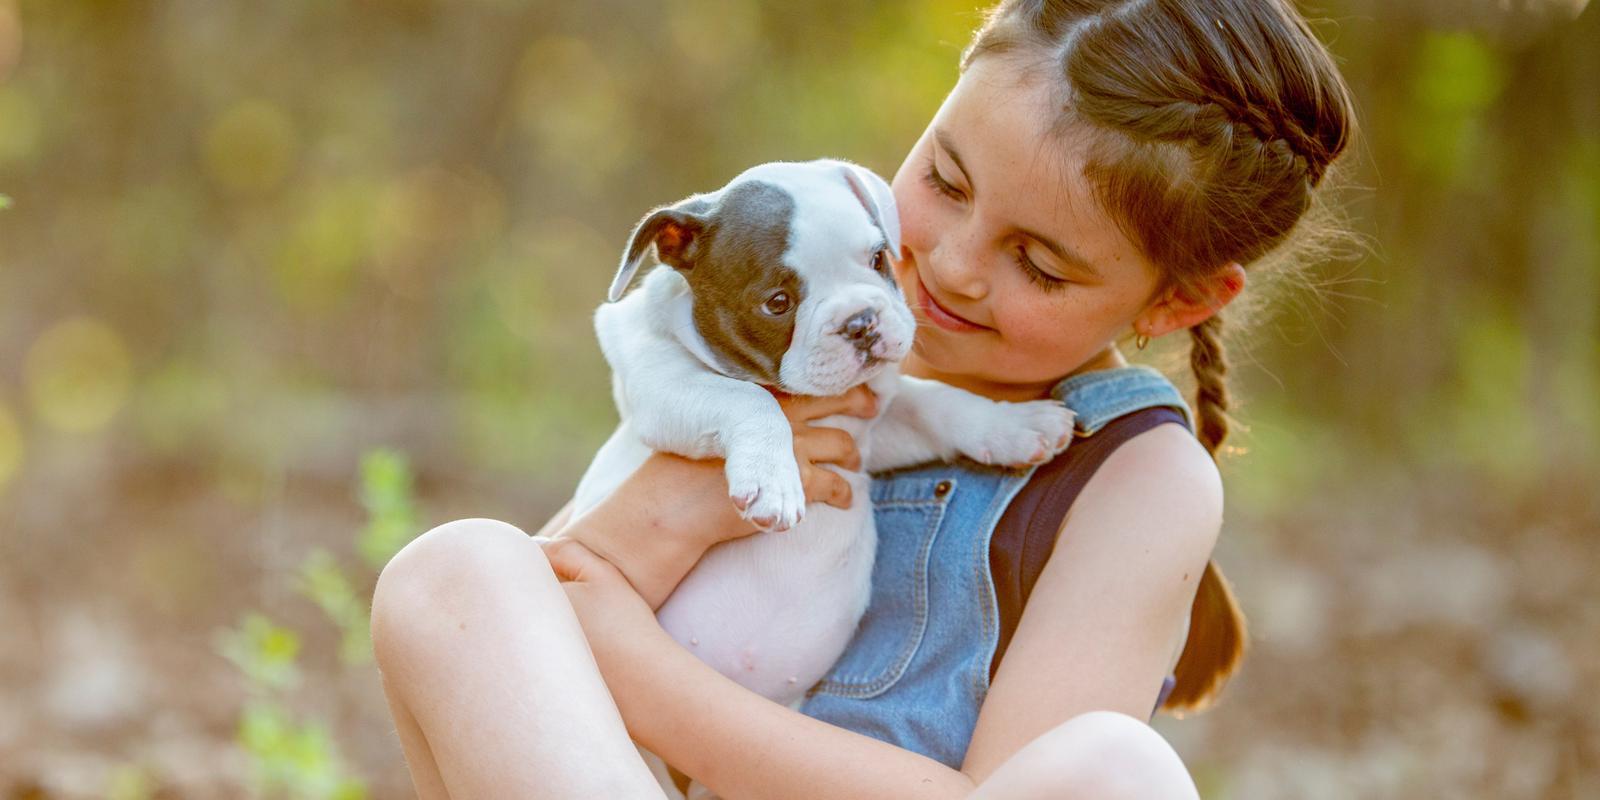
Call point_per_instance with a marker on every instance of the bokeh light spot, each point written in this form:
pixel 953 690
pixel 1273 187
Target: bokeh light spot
pixel 12 445
pixel 251 147
pixel 78 374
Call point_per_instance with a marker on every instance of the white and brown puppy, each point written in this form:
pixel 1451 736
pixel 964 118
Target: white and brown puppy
pixel 782 279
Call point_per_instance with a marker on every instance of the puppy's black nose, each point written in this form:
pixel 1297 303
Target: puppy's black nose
pixel 862 330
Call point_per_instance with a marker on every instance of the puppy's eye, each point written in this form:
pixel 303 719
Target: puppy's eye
pixel 778 304
pixel 880 265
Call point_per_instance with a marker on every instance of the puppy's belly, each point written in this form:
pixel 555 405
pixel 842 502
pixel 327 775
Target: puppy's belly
pixel 773 611
pixel 618 458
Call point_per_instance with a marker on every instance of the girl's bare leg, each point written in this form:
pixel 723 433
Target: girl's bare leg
pixel 1101 755
pixel 491 683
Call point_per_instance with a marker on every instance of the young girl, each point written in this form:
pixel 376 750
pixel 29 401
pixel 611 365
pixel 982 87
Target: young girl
pixel 1100 167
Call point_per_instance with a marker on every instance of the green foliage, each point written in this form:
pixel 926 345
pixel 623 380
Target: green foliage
pixel 300 760
pixel 264 652
pixel 1457 73
pixel 294 761
pixel 386 486
pixel 1457 78
pixel 322 582
pixel 5 201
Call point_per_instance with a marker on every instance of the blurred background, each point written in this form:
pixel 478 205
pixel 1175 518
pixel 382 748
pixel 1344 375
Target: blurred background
pixel 283 283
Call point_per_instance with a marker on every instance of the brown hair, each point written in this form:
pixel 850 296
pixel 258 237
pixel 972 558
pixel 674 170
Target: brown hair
pixel 1209 124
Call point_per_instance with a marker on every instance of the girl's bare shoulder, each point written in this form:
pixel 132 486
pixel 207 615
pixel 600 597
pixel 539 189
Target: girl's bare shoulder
pixel 1163 475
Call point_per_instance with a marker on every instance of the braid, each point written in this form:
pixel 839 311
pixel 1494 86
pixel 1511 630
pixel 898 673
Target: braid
pixel 1217 630
pixel 1209 361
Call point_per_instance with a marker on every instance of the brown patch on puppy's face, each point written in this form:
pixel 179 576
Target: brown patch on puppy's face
pixel 745 297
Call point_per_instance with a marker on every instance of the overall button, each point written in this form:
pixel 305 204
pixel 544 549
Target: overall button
pixel 942 489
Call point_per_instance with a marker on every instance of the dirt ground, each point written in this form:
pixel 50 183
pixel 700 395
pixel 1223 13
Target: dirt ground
pixel 1413 637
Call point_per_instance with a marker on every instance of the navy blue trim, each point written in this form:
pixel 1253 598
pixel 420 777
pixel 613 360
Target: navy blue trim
pixel 1026 533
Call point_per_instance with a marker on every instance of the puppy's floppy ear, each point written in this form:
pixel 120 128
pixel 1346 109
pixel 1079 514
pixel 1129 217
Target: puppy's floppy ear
pixel 876 196
pixel 673 230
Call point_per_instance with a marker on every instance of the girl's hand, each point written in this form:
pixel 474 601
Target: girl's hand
pixel 658 523
pixel 815 445
pixel 605 602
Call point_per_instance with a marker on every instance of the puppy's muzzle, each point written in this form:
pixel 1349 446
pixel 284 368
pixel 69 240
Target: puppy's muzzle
pixel 861 330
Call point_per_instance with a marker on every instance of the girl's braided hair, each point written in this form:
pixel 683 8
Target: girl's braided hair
pixel 1209 126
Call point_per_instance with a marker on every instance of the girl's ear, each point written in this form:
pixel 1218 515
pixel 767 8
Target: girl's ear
pixel 1184 305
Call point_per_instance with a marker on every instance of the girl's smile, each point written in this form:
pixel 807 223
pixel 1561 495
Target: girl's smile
pixel 1013 270
pixel 935 312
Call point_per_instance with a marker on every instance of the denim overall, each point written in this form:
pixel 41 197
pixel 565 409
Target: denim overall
pixel 917 670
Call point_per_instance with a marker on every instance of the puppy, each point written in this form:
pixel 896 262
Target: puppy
pixel 781 279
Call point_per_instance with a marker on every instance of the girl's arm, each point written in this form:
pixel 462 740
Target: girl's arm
pixel 1098 633
pixel 658 523
pixel 734 741
pixel 1105 620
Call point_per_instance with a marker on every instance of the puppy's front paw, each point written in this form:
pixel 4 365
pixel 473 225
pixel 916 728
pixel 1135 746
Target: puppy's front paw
pixel 1021 434
pixel 768 492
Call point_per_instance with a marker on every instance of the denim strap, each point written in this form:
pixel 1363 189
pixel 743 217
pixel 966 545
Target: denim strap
pixel 1103 395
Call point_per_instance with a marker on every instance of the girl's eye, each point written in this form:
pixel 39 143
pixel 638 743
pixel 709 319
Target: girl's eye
pixel 939 184
pixel 778 304
pixel 1039 277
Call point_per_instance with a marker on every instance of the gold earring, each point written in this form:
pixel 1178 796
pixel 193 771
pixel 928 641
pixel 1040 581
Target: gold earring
pixel 1141 340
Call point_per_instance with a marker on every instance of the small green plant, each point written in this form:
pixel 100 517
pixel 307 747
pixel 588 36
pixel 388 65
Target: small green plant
pixel 322 582
pixel 386 488
pixel 290 760
pixel 264 652
pixel 294 760
pixel 299 759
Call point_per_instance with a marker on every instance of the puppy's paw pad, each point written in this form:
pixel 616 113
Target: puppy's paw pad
pixel 770 495
pixel 777 510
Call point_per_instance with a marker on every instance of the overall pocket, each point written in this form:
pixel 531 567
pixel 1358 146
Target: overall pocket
pixel 897 616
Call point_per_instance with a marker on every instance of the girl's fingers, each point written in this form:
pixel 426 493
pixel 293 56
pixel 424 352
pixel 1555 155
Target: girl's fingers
pixel 858 402
pixel 826 446
pixel 824 486
pixel 813 446
pixel 572 561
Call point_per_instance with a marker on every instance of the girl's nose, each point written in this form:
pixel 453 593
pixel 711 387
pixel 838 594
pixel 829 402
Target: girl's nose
pixel 957 264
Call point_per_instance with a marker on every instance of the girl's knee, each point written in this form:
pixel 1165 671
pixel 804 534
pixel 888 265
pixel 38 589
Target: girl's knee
pixel 1102 755
pixel 459 563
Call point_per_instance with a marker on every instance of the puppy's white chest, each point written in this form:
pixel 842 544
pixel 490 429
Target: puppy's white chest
pixel 773 611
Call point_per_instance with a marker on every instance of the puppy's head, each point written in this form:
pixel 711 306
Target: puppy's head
pixel 788 268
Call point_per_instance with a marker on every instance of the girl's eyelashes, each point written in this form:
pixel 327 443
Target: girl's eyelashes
pixel 938 182
pixel 1039 277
